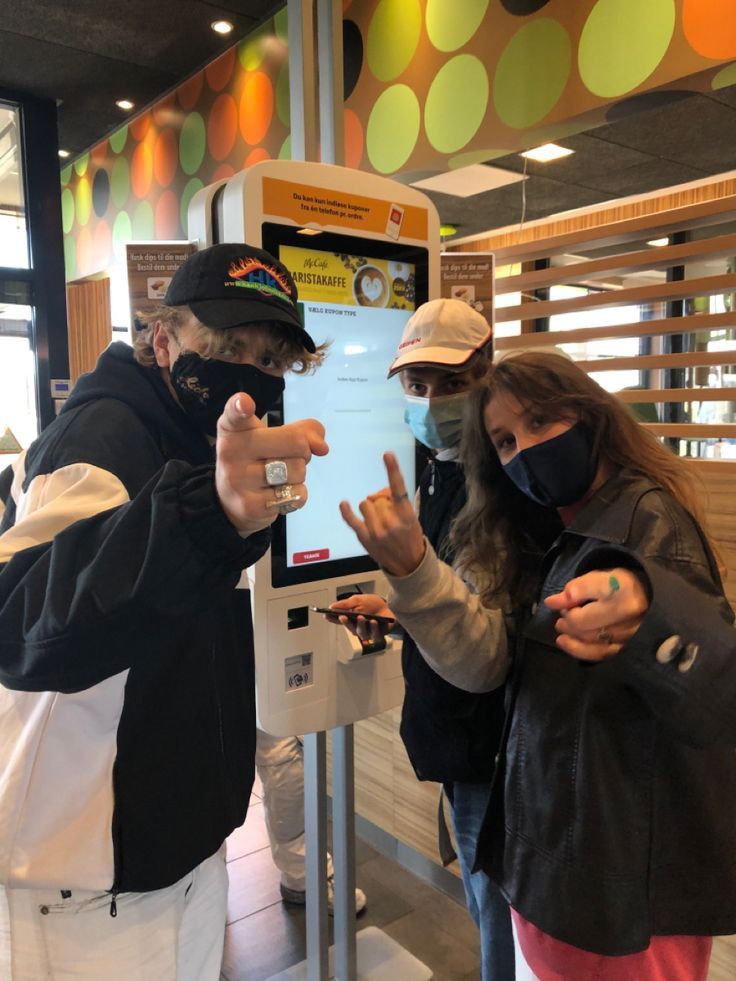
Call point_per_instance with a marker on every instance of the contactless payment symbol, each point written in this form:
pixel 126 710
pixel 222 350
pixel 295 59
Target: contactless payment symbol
pixel 298 672
pixel 395 219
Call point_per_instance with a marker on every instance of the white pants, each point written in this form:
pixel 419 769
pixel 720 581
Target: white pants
pixel 172 934
pixel 280 765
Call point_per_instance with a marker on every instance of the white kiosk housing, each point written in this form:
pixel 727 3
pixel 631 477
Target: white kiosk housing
pixel 364 252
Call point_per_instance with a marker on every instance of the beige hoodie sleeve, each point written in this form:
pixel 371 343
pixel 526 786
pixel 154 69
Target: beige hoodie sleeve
pixel 463 641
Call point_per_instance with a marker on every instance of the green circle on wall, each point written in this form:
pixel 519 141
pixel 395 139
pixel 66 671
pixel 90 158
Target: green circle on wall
pixel 393 36
pixel 475 157
pixel 393 128
pixel 283 106
pixel 81 164
pixel 70 257
pixel 532 73
pixel 192 143
pixel 462 81
pixel 726 76
pixel 118 139
pixel 252 49
pixel 120 182
pixel 285 151
pixel 65 174
pixel 83 201
pixel 281 25
pixel 67 210
pixel 451 25
pixel 190 189
pixel 143 225
pixel 622 43
pixel 122 233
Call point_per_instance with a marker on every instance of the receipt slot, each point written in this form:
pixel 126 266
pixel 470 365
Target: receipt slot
pixel 364 253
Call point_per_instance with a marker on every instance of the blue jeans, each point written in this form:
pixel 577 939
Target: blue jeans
pixel 486 904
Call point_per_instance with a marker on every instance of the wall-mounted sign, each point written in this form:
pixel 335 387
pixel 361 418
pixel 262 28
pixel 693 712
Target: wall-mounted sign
pixel 150 268
pixel 468 276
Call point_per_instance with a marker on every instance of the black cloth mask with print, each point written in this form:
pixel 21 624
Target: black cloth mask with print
pixel 204 385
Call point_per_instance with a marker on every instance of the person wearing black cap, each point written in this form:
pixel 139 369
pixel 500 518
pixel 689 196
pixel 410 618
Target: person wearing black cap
pixel 127 717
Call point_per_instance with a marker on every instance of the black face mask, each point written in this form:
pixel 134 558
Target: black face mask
pixel 557 472
pixel 203 386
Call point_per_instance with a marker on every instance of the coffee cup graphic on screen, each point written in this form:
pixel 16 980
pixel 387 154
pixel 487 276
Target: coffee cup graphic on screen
pixel 370 287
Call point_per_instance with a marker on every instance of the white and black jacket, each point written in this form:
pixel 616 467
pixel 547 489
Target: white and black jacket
pixel 127 719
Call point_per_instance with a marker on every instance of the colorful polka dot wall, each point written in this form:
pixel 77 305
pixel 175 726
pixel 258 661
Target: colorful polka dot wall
pixel 433 85
pixel 137 184
pixel 430 85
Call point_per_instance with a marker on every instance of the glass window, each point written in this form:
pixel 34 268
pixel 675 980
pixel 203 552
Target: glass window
pixel 13 237
pixel 18 418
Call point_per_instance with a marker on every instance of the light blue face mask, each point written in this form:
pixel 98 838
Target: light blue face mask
pixel 436 422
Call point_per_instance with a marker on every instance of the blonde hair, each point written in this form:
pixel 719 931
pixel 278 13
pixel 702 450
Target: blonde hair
pixel 555 384
pixel 213 343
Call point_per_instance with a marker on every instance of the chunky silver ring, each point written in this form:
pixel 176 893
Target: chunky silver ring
pixel 604 636
pixel 283 492
pixel 284 505
pixel 276 472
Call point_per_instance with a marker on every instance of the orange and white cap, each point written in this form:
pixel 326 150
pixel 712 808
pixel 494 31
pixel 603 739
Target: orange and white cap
pixel 441 332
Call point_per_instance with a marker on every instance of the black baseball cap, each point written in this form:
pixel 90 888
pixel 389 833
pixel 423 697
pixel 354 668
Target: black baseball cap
pixel 232 285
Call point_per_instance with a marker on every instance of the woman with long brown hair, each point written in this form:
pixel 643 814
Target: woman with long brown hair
pixel 610 828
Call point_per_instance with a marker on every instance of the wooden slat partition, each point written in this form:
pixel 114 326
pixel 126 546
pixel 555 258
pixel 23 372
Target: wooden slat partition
pixel 641 328
pixel 703 286
pixel 89 324
pixel 619 264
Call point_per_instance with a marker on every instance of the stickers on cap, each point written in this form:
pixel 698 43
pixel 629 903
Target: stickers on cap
pixel 253 274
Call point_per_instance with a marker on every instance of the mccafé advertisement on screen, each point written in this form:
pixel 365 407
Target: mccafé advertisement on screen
pixel 351 280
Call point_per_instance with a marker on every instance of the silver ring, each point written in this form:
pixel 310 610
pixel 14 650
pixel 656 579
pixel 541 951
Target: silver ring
pixel 283 492
pixel 397 499
pixel 285 505
pixel 276 472
pixel 604 636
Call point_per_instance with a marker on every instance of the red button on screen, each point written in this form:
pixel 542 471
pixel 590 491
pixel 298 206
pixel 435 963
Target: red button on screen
pixel 316 555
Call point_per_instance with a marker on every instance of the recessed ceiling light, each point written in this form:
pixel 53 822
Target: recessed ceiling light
pixel 467 181
pixel 63 154
pixel 547 152
pixel 308 231
pixel 125 104
pixel 221 26
pixel 658 243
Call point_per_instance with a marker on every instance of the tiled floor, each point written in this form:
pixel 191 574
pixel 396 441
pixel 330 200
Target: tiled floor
pixel 264 936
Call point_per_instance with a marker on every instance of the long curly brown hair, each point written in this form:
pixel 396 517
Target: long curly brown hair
pixel 497 510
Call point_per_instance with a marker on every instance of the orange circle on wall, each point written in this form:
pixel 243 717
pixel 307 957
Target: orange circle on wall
pixel 354 138
pixel 165 110
pixel 102 245
pixel 255 156
pixel 141 170
pixel 85 251
pixel 222 126
pixel 220 71
pixel 140 126
pixel 165 157
pixel 188 92
pixel 223 172
pixel 99 153
pixel 710 27
pixel 166 216
pixel 256 107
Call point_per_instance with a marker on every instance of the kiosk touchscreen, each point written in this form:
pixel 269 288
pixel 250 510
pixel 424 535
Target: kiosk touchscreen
pixel 356 297
pixel 364 253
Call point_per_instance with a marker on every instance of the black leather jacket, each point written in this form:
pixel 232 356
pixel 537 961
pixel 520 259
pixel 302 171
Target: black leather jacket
pixel 617 790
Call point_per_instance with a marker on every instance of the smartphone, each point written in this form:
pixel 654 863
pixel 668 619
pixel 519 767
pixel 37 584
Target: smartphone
pixel 351 614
